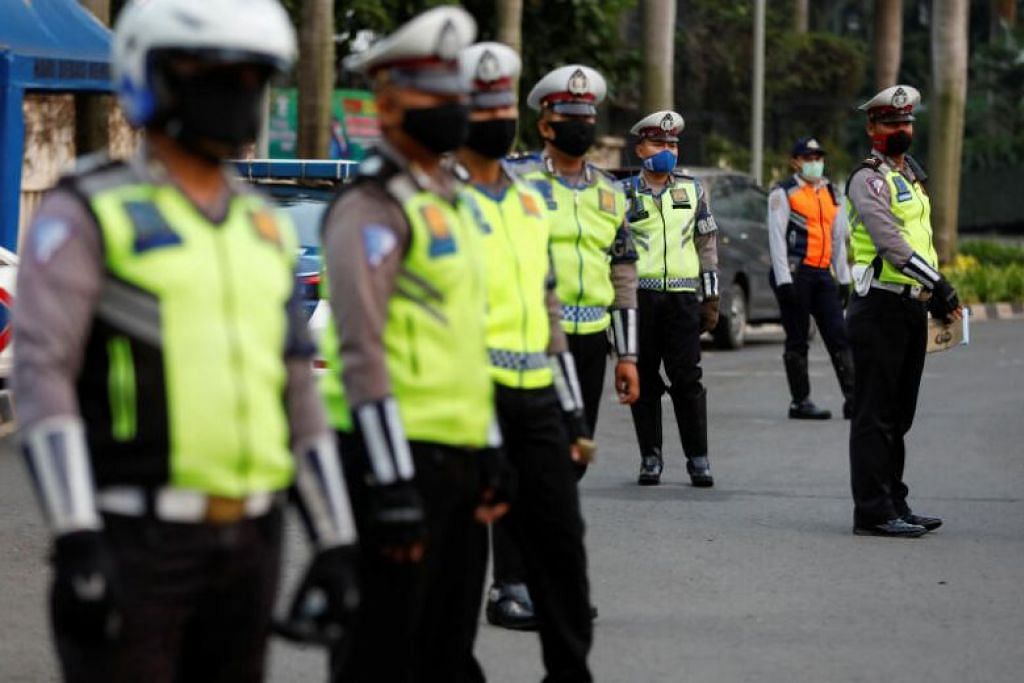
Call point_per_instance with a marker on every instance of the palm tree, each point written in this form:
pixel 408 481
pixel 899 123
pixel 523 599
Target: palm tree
pixel 888 41
pixel 510 23
pixel 946 114
pixel 801 12
pixel 659 17
pixel 316 78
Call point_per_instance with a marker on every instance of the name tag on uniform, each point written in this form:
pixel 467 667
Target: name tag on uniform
pixel 442 242
pixel 903 193
pixel 606 201
pixel 680 198
pixel 151 230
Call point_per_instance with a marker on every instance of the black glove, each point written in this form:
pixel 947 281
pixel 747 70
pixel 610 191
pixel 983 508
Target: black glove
pixel 326 601
pixel 85 596
pixel 786 294
pixel 396 515
pixel 497 479
pixel 843 290
pixel 708 315
pixel 944 300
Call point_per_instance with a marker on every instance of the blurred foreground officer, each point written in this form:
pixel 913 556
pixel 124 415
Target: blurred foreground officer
pixel 157 334
pixel 897 284
pixel 593 253
pixel 408 387
pixel 676 240
pixel 537 395
pixel 807 238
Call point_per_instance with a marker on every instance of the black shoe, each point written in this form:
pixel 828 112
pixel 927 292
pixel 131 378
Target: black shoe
pixel 593 613
pixel 699 470
pixel 509 606
pixel 805 410
pixel 650 471
pixel 929 523
pixel 895 528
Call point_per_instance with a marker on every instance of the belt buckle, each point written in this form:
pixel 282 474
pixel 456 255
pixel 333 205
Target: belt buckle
pixel 222 510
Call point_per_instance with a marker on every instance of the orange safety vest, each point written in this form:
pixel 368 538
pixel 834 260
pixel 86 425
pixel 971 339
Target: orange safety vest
pixel 812 211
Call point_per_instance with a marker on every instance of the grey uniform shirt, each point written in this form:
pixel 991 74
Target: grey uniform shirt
pixel 778 219
pixel 869 193
pixel 60 275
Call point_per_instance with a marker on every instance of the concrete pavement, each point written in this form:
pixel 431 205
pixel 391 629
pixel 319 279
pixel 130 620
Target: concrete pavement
pixel 758 579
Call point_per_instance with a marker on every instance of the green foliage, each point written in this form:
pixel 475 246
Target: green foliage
pixel 990 284
pixel 992 253
pixel 994 132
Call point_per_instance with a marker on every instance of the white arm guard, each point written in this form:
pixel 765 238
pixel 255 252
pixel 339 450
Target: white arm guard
pixel 58 462
pixel 624 332
pixel 380 427
pixel 917 268
pixel 322 494
pixel 709 284
pixel 567 384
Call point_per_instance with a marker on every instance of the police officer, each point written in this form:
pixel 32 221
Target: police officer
pixel 157 333
pixel 594 257
pixel 897 284
pixel 408 386
pixel 675 235
pixel 807 239
pixel 537 395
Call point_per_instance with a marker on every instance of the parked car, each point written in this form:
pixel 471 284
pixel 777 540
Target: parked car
pixel 740 208
pixel 302 189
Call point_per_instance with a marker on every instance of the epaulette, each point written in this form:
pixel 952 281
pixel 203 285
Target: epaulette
pixel 872 162
pixel 375 168
pixel 920 174
pixel 608 176
pixel 677 173
pixel 96 173
pixel 788 183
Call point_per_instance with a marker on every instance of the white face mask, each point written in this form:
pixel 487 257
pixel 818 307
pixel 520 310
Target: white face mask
pixel 812 170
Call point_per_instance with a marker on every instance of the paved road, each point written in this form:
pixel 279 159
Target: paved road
pixel 758 579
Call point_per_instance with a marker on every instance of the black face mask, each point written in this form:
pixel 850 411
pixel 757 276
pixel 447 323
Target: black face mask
pixel 898 143
pixel 491 139
pixel 574 136
pixel 440 129
pixel 214 113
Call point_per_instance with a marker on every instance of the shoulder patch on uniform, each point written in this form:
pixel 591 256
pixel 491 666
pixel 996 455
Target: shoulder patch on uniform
pixel 875 184
pixel 48 236
pixel 378 242
pixel 266 227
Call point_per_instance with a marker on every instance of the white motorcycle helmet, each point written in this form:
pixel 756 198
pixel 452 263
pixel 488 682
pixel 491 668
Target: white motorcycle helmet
pixel 222 32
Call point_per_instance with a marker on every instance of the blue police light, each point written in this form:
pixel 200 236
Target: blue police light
pixel 289 169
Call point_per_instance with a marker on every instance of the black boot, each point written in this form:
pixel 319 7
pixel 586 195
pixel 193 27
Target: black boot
pixel 842 361
pixel 692 417
pixel 647 422
pixel 650 469
pixel 800 389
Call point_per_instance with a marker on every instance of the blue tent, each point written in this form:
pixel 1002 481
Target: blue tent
pixel 50 46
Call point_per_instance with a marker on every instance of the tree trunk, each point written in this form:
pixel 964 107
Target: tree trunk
pixel 659 17
pixel 510 23
pixel 888 41
pixel 92 112
pixel 801 12
pixel 316 78
pixel 946 111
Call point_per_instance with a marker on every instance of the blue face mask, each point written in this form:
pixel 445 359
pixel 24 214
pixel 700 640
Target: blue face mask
pixel 662 162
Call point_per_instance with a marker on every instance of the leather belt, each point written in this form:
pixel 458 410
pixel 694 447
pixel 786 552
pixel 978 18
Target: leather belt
pixel 184 505
pixel 908 291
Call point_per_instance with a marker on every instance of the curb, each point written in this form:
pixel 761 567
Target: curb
pixel 998 311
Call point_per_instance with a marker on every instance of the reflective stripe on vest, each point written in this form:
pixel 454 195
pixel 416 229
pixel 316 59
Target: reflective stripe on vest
pixel 434 337
pixel 515 232
pixel 911 207
pixel 664 237
pixel 812 212
pixel 584 223
pixel 196 314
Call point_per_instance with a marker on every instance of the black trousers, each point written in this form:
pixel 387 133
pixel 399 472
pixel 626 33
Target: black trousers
pixel 816 295
pixel 590 353
pixel 545 526
pixel 196 602
pixel 418 621
pixel 669 334
pixel 888 336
